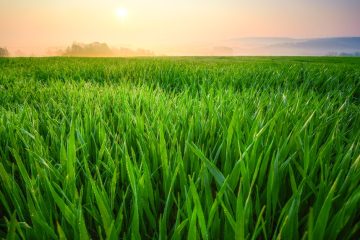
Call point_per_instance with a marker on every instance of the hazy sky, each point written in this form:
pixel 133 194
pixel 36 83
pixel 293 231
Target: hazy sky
pixel 165 25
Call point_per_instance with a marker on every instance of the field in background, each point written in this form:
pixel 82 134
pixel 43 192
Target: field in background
pixel 170 148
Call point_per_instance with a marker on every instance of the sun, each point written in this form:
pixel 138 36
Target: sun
pixel 122 12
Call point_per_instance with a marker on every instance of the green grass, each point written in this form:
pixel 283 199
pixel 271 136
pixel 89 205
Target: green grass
pixel 175 148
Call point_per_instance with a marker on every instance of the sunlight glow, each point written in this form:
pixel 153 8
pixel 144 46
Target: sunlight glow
pixel 121 12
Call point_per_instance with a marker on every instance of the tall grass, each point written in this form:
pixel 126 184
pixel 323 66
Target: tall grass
pixel 174 148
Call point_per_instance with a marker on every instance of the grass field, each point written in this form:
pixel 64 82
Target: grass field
pixel 176 148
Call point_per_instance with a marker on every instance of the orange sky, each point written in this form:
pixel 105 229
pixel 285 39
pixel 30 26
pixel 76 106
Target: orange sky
pixel 169 26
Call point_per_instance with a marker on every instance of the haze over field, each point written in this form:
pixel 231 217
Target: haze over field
pixel 229 27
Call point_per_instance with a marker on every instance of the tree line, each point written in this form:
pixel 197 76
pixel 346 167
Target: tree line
pixel 4 52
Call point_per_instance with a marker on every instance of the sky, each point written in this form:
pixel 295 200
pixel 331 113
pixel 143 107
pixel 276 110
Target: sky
pixel 168 26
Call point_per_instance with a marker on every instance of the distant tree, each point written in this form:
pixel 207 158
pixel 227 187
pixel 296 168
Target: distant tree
pixel 353 54
pixel 4 52
pixel 95 49
pixel 222 51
